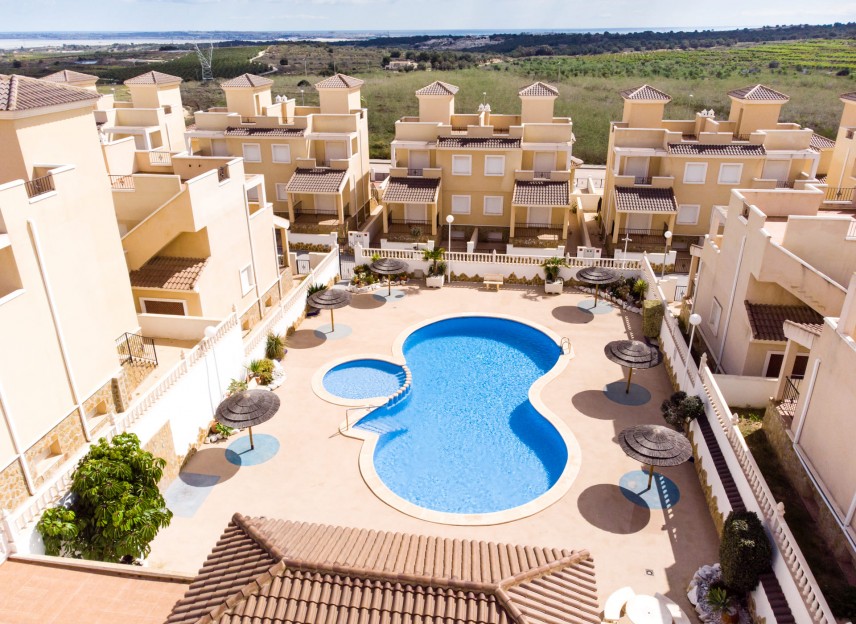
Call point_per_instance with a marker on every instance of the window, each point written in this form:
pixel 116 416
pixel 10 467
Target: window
pixel 695 173
pixel 281 153
pixel 494 165
pixel 460 204
pixel 175 307
pixel 715 313
pixel 281 193
pixel 688 214
pixel 252 152
pixel 462 165
pixel 247 281
pixel 730 173
pixel 493 206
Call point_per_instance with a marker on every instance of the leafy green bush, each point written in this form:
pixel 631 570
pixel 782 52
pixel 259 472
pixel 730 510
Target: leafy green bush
pixel 435 257
pixel 262 370
pixel 744 552
pixel 236 385
pixel 118 509
pixel 679 408
pixel 275 346
pixel 551 267
pixel 652 317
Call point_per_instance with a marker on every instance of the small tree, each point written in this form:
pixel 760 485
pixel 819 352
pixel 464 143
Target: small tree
pixel 551 267
pixel 435 257
pixel 744 552
pixel 117 510
pixel 679 408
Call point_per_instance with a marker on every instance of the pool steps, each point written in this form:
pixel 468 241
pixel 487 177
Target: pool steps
pixel 397 397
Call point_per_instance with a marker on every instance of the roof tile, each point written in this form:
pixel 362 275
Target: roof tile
pixel 819 142
pixel 68 76
pixel 438 88
pixel 19 93
pixel 850 97
pixel 767 321
pixel 169 273
pixel 758 93
pixel 539 89
pixel 153 78
pixel 411 190
pixel 247 80
pixel 478 142
pixel 540 193
pixel 710 149
pixel 339 81
pixel 318 180
pixel 646 93
pixel 273 132
pixel 636 199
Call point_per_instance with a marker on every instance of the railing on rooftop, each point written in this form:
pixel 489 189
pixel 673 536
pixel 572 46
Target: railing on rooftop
pixel 39 186
pixel 133 348
pixel 642 180
pixel 542 175
pixel 161 159
pixel 840 194
pixel 122 182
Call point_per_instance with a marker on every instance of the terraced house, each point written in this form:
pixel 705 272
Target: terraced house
pixel 500 178
pixel 72 355
pixel 314 159
pixel 668 175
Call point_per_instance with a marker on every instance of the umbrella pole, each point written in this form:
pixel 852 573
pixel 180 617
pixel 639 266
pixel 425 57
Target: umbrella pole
pixel 389 283
pixel 596 292
pixel 332 322
pixel 253 446
pixel 629 377
pixel 650 476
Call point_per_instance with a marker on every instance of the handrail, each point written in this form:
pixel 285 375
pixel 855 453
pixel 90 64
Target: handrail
pixel 356 407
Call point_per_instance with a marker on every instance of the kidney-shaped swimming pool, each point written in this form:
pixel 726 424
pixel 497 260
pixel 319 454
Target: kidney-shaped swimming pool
pixel 467 440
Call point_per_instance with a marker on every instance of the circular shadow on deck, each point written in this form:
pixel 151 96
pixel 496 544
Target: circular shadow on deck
pixel 366 301
pixel 605 507
pixel 616 391
pixel 593 403
pixel 305 339
pixel 211 460
pixel 572 314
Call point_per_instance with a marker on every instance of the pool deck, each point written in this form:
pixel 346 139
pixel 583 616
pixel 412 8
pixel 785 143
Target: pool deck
pixel 314 476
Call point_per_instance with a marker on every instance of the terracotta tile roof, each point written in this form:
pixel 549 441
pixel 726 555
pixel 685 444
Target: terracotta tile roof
pixel 540 193
pixel 68 76
pixel 339 81
pixel 635 199
pixel 819 142
pixel 758 93
pixel 438 88
pixel 707 149
pixel 539 89
pixel 169 273
pixel 247 80
pixel 812 328
pixel 850 97
pixel 153 77
pixel 478 142
pixel 18 93
pixel 646 93
pixel 411 190
pixel 767 321
pixel 318 180
pixel 264 571
pixel 274 132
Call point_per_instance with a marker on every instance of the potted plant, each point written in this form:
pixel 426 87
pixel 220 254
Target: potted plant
pixel 553 283
pixel 721 603
pixel 275 346
pixel 310 311
pixel 436 268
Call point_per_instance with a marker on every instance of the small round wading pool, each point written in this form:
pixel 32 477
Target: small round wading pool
pixel 364 379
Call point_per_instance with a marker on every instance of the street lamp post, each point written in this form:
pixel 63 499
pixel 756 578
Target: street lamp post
pixel 626 240
pixel 210 332
pixel 668 235
pixel 695 321
pixel 450 219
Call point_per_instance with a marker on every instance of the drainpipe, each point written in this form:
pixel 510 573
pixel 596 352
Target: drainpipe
pixel 730 304
pixel 75 395
pixel 16 444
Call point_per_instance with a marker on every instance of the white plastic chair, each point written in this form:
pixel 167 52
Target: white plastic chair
pixel 615 604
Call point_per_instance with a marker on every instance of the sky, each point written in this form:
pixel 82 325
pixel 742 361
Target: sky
pixel 160 15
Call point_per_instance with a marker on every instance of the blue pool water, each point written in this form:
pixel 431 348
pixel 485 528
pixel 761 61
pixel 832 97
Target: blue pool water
pixel 363 379
pixel 466 439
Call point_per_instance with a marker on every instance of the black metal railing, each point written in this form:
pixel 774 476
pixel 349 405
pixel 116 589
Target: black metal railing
pixel 680 292
pixel 636 232
pixel 744 212
pixel 409 222
pixel 133 348
pixel 682 265
pixel 414 172
pixel 642 180
pixel 543 175
pixel 222 173
pixel 39 186
pixel 742 137
pixel 840 194
pixel 122 182
pixel 160 158
pixel 784 184
pixel 527 230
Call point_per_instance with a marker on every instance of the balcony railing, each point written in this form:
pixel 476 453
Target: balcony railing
pixel 39 186
pixel 642 180
pixel 790 396
pixel 162 159
pixel 301 211
pixel 840 194
pixel 414 172
pixel 744 212
pixel 122 182
pixel 535 230
pixel 784 184
pixel 409 222
pixel 222 173
pixel 542 175
pixel 742 137
pixel 133 348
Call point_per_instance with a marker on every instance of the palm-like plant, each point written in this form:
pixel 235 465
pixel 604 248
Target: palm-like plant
pixel 435 257
pixel 552 266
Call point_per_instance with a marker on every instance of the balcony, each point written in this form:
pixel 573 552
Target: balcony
pixel 122 182
pixel 40 186
pixel 790 397
pixel 544 232
pixel 135 349
pixel 845 195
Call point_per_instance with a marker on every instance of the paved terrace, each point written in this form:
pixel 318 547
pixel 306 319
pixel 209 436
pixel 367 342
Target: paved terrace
pixel 315 476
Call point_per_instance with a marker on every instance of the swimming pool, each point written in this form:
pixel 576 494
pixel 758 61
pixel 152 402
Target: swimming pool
pixel 467 439
pixel 364 379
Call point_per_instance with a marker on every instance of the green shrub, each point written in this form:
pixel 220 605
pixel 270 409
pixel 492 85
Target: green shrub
pixel 652 317
pixel 118 509
pixel 551 267
pixel 275 346
pixel 744 552
pixel 262 370
pixel 236 385
pixel 679 408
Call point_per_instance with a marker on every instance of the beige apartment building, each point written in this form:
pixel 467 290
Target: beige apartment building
pixel 508 176
pixel 314 159
pixel 71 355
pixel 841 177
pixel 668 175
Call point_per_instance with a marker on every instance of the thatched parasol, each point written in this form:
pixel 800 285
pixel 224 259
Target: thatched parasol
pixel 246 409
pixel 632 354
pixel 655 445
pixel 388 267
pixel 597 277
pixel 331 299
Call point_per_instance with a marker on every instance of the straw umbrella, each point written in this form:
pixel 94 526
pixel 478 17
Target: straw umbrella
pixel 632 354
pixel 655 445
pixel 246 409
pixel 388 267
pixel 331 299
pixel 597 277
